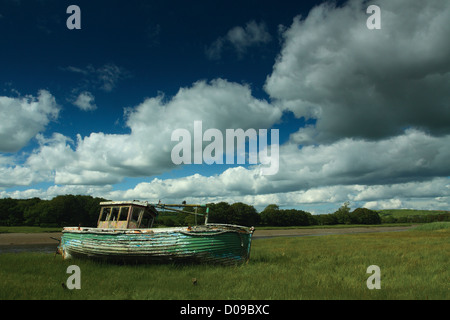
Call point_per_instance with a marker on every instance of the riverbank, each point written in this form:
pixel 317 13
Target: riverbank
pixel 16 239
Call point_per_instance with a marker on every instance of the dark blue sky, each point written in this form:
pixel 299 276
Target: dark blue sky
pixel 362 114
pixel 160 46
pixel 144 48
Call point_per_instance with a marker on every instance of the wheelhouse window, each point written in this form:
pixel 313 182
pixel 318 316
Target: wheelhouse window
pixel 105 213
pixel 135 214
pixel 114 214
pixel 146 221
pixel 126 216
pixel 123 216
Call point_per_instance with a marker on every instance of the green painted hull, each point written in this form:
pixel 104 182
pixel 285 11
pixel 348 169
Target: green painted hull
pixel 224 244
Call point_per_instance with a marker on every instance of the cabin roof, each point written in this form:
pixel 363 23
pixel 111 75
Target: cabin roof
pixel 118 203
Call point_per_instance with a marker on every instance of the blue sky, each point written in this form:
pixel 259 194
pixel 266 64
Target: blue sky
pixel 127 51
pixel 363 115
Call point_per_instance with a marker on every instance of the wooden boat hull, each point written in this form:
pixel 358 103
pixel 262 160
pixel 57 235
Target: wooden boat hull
pixel 224 244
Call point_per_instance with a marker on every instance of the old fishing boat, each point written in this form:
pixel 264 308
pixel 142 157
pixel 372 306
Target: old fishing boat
pixel 125 232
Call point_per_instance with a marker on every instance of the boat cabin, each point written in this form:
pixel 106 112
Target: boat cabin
pixel 126 215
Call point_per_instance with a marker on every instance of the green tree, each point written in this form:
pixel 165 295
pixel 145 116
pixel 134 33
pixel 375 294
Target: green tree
pixel 32 210
pixel 7 211
pixel 191 218
pixel 343 214
pixel 220 212
pixel 244 214
pixel 326 219
pixel 273 216
pixel 365 216
pixel 92 210
pixel 167 221
pixel 269 215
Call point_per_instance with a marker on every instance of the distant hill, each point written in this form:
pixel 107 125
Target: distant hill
pixel 397 213
pixel 413 216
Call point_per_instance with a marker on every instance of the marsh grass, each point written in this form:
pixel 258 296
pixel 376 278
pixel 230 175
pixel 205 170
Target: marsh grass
pixel 414 265
pixel 433 226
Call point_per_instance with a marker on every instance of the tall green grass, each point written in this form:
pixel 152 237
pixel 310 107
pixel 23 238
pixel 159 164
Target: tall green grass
pixel 433 226
pixel 413 264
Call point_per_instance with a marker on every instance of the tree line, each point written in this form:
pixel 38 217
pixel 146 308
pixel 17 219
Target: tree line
pixel 66 210
pixel 74 210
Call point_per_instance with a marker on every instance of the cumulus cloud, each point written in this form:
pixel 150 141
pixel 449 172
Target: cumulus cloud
pixel 23 117
pixel 405 160
pixel 239 39
pixel 393 173
pixel 52 154
pixel 85 101
pixel 100 158
pixel 413 156
pixel 366 83
pixel 57 190
pixel 146 151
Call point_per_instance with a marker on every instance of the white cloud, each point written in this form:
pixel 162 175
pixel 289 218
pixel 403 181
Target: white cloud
pixel 39 166
pixel 56 190
pixel 11 176
pixel 146 151
pixel 321 184
pixel 419 203
pixel 366 83
pixel 367 172
pixel 52 153
pixel 409 166
pixel 85 101
pixel 101 158
pixel 413 156
pixel 240 39
pixel 22 118
pixel 317 200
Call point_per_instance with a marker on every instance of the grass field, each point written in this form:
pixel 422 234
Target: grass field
pixel 413 264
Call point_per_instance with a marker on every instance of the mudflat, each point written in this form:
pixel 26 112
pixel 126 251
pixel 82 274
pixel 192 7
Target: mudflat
pixel 15 239
pixel 49 237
